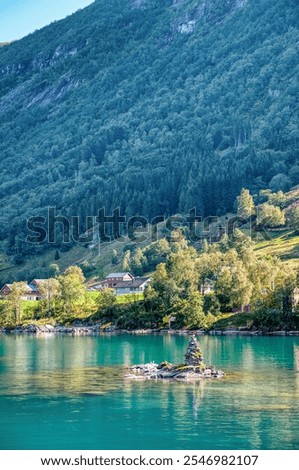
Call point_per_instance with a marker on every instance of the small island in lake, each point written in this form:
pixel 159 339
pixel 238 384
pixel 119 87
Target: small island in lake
pixel 193 368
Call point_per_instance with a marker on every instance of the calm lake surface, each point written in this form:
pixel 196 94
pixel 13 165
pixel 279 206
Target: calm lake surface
pixel 70 393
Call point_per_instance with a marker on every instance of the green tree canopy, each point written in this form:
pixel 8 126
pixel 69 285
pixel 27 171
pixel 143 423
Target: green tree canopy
pixel 13 301
pixel 245 204
pixel 72 287
pixel 270 216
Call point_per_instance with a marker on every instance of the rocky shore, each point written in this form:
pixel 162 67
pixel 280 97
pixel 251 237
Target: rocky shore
pixel 50 329
pixel 81 329
pixel 192 369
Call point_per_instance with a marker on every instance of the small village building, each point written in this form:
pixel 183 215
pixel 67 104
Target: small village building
pixel 35 287
pixel 6 290
pixel 31 294
pixel 98 286
pixel 114 278
pixel 111 280
pixel 136 286
pixel 121 283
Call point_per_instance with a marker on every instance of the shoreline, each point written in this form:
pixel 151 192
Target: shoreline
pixel 81 330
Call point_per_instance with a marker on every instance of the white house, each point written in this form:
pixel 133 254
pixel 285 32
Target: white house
pixel 136 286
pixel 122 283
pixel 31 294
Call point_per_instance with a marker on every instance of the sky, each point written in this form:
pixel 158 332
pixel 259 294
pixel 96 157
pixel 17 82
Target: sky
pixel 21 17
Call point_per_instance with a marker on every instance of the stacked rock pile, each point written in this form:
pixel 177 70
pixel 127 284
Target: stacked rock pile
pixel 193 368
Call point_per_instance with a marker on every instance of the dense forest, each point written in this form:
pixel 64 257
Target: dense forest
pixel 152 106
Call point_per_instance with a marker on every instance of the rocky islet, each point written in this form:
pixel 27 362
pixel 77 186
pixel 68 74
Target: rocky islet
pixel 192 369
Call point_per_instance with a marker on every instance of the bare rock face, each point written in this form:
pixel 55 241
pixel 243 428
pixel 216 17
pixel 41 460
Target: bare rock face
pixel 193 356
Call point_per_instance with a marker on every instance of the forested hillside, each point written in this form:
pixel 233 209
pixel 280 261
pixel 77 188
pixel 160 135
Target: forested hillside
pixel 153 106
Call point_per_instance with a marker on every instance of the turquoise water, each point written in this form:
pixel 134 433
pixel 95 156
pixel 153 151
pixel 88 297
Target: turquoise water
pixel 70 393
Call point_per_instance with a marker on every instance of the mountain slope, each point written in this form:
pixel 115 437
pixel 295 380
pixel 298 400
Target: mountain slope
pixel 148 105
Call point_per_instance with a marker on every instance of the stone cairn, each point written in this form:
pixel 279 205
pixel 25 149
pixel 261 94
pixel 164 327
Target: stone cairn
pixel 193 368
pixel 193 356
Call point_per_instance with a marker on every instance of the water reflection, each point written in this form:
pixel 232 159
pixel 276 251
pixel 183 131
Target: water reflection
pixel 68 383
pixel 296 358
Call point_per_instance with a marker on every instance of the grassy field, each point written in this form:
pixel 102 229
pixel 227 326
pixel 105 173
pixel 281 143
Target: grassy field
pixel 281 243
pixel 284 245
pixel 235 320
pixel 87 306
pixel 95 261
pixel 120 299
